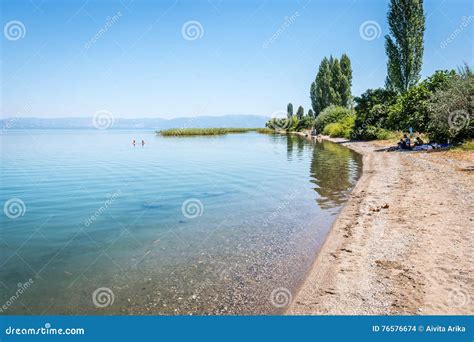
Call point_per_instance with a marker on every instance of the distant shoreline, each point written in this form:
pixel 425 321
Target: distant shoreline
pixel 400 245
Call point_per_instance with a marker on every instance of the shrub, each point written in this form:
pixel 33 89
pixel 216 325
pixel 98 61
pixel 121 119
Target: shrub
pixel 334 129
pixel 372 107
pixel 342 128
pixel 451 110
pixel 375 133
pixel 411 108
pixel 329 115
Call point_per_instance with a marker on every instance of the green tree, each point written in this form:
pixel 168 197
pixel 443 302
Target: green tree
pixel 404 45
pixel 372 112
pixel 321 87
pixel 346 83
pixel 300 113
pixel 411 108
pixel 289 110
pixel 346 68
pixel 337 79
pixel 310 113
pixel 332 85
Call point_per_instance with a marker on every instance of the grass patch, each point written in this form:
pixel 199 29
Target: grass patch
pixel 265 130
pixel 184 132
pixel 466 146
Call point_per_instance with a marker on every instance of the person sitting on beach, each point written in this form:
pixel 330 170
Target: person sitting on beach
pixel 405 143
pixel 419 141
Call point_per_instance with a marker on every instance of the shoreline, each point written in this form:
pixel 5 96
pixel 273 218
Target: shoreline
pixel 402 244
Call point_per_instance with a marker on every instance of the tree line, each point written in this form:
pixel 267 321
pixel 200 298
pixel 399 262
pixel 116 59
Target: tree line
pixel 403 104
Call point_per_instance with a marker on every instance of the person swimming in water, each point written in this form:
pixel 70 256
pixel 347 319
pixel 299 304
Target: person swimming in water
pixel 143 142
pixel 133 142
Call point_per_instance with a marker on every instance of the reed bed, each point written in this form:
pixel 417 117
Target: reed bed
pixel 177 132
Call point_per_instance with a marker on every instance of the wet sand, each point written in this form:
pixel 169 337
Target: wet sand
pixel 403 244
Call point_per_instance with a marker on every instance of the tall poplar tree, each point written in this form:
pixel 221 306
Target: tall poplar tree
pixel 404 45
pixel 300 112
pixel 289 110
pixel 320 88
pixel 332 85
pixel 345 90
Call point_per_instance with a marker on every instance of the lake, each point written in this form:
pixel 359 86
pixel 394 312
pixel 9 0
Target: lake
pixel 198 225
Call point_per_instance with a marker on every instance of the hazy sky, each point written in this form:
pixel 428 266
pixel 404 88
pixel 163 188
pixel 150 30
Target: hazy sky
pixel 138 59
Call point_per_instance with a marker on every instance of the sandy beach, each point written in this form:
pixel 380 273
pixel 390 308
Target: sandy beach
pixel 403 244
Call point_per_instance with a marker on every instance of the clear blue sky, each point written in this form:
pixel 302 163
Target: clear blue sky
pixel 142 66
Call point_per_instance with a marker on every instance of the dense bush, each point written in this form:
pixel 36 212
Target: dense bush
pixel 451 109
pixel 342 128
pixel 329 115
pixel 411 108
pixel 372 112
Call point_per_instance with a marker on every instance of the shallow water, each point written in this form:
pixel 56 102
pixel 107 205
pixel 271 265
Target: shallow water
pixel 200 225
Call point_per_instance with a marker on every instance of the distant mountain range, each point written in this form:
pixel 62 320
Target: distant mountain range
pixel 244 121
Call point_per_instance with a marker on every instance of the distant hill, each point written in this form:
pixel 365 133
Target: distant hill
pixel 244 121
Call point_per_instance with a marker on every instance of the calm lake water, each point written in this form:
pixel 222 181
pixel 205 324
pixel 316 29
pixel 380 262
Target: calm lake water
pixel 200 225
